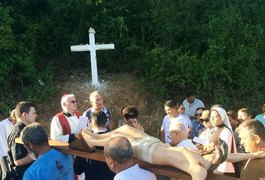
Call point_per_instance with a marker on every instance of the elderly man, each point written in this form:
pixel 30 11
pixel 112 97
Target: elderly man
pixel 64 125
pixel 26 114
pixel 178 133
pixel 50 163
pixel 96 102
pixel 252 135
pixel 119 157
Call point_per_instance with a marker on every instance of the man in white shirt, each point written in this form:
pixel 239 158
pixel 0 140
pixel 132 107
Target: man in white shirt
pixel 6 126
pixel 179 136
pixel 119 157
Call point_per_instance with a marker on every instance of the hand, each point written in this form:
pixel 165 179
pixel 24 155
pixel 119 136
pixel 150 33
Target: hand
pixel 136 125
pixel 259 154
pixel 200 146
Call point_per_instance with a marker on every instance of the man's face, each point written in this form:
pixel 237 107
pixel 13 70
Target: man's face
pixel 71 104
pixel 190 99
pixel 31 116
pixel 243 116
pixel 175 137
pixel 97 102
pixel 172 112
pixel 247 141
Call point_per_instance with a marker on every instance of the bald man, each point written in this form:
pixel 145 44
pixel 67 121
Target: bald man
pixel 119 157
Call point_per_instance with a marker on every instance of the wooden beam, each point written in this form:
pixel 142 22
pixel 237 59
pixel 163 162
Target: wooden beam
pixel 156 169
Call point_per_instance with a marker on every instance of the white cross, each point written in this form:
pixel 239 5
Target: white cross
pixel 92 47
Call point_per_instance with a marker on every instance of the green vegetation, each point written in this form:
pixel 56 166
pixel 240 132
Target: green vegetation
pixel 214 48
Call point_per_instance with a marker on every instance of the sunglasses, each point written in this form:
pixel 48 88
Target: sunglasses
pixel 204 120
pixel 73 102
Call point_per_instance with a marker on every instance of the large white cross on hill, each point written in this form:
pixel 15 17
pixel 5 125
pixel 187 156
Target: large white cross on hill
pixel 92 47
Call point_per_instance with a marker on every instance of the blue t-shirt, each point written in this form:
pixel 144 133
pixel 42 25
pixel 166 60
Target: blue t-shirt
pixel 51 165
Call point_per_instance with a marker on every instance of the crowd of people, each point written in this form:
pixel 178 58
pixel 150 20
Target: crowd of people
pixel 192 138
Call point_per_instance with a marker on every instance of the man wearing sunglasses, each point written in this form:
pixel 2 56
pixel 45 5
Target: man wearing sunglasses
pixel 64 125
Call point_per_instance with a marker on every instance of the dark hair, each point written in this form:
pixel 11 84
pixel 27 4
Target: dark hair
pixel 22 107
pixel 171 104
pixel 232 113
pixel 202 108
pixel 100 118
pixel 244 110
pixel 35 134
pixel 189 93
pixel 119 149
pixel 129 112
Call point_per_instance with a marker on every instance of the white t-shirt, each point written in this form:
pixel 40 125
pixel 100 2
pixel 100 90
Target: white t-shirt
pixel 135 173
pixel 187 143
pixel 5 129
pixel 165 127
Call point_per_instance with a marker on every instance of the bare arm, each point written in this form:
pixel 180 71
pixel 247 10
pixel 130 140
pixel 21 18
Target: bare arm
pixel 236 157
pixel 24 161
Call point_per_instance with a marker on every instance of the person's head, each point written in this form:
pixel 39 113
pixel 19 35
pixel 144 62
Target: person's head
pixel 129 114
pixel 218 117
pixel 118 154
pixel 205 119
pixel 232 116
pixel 34 137
pixel 69 103
pixel 25 112
pixel 96 100
pixel 243 114
pixel 199 111
pixel 190 97
pixel 171 108
pixel 181 109
pixel 12 116
pixel 177 133
pixel 98 120
pixel 252 135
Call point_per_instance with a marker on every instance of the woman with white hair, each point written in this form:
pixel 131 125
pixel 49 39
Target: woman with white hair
pixel 223 130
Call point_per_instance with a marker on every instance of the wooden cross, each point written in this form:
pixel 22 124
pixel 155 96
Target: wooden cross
pixel 92 47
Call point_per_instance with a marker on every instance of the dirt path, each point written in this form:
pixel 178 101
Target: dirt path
pixel 117 90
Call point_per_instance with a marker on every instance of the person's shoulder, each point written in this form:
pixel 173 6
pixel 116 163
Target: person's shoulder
pixel 258 116
pixel 166 118
pixel 87 112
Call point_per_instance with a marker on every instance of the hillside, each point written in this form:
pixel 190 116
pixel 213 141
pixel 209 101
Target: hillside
pixel 117 90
